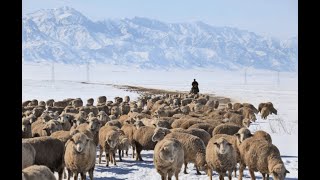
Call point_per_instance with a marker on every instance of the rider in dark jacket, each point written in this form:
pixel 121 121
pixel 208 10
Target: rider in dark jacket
pixel 195 88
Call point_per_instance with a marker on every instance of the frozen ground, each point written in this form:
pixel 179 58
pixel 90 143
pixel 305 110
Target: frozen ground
pixel 261 86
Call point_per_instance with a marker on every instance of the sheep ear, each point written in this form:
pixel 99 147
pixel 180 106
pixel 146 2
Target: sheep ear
pixel 215 143
pixel 287 171
pixel 154 125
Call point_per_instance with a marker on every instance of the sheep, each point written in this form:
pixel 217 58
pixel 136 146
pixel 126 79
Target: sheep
pixel 124 108
pixel 33 102
pixel 189 123
pixel 129 130
pixel 25 103
pixel 53 147
pixel 269 105
pixel 42 104
pixel 62 104
pixel 163 123
pixel 226 129
pixel 205 126
pixel 101 100
pixel 49 103
pixel 90 102
pixel 236 106
pixel 248 113
pixel 80 156
pixel 127 99
pixel 123 145
pixel 115 111
pixel 93 126
pixel 62 135
pixel 37 172
pixel 216 104
pixel 142 140
pixel 77 103
pixel 265 157
pixel 45 129
pixel 108 141
pixel 229 107
pixel 37 111
pixel 244 142
pixel 103 108
pixel 168 158
pixel 265 112
pixel 193 146
pixel 65 120
pixel 26 128
pixel 103 117
pixel 237 119
pixel 221 157
pixel 248 105
pixel 28 154
pixel 114 123
pixel 202 134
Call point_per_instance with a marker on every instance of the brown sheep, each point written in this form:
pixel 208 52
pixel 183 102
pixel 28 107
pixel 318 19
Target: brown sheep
pixel 28 155
pixel 200 133
pixel 108 141
pixel 168 158
pixel 80 156
pixel 221 157
pixel 53 147
pixel 37 172
pixel 142 140
pixel 193 146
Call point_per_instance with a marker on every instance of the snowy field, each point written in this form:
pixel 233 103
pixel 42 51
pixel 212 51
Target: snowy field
pixel 261 86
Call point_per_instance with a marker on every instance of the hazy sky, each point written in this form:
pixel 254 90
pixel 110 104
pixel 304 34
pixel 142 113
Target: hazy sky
pixel 277 18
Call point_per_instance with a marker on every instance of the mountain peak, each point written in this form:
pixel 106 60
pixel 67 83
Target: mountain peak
pixel 65 35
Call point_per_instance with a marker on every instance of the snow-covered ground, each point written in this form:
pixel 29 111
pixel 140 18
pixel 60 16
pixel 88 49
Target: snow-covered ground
pixel 261 86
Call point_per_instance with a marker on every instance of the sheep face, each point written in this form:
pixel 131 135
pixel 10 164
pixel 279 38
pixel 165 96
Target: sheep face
pixel 112 139
pixel 243 134
pixel 159 134
pixel 26 125
pixel 279 172
pixel 51 127
pixel 64 118
pixel 80 140
pixel 94 125
pixel 138 124
pixel 90 115
pixel 222 146
pixel 246 122
pixel 102 116
pixel 167 153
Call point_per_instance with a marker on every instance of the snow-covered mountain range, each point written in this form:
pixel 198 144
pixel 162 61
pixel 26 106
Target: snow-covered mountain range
pixel 65 35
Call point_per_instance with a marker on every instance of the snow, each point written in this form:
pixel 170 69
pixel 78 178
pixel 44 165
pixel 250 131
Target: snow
pixel 262 86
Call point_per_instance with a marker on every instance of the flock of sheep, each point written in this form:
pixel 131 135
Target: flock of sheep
pixel 63 136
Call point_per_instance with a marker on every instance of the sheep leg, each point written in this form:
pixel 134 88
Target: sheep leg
pixel 127 153
pixel 133 151
pixel 120 155
pixel 91 173
pixel 263 176
pixel 253 177
pixel 64 174
pixel 114 158
pixel 198 172
pixel 100 154
pixel 230 174
pixel 176 174
pixel 235 172
pixel 75 177
pixel 241 169
pixel 185 168
pixel 107 158
pixel 170 174
pixel 83 176
pixel 267 176
pixel 209 173
pixel 69 174
pixel 221 176
pixel 138 156
pixel 60 173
